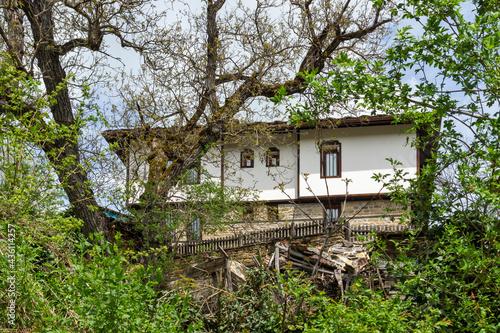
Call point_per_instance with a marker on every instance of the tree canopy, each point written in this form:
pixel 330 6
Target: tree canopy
pixel 443 77
pixel 200 69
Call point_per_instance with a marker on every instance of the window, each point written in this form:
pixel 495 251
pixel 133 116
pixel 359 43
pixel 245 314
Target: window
pixel 272 157
pixel 330 159
pixel 170 224
pixel 332 213
pixel 194 232
pixel 192 176
pixel 247 158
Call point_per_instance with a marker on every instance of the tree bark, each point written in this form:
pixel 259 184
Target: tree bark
pixel 63 152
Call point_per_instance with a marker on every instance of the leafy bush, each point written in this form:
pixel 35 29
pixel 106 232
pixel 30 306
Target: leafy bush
pixel 368 311
pixel 269 303
pixel 97 290
pixel 109 294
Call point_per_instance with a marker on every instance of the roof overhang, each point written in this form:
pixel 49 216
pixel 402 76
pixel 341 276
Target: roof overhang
pixel 121 138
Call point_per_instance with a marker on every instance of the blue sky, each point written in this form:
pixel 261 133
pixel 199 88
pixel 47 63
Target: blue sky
pixel 131 61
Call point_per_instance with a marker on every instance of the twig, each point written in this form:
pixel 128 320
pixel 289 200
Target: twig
pixel 381 282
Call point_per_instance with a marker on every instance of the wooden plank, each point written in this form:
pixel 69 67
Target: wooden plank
pixel 276 259
pixel 199 270
pixel 229 279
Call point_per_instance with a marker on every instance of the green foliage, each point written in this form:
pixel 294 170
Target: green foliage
pixel 107 293
pixel 208 205
pixel 55 281
pixel 95 290
pixel 456 197
pixel 268 302
pixel 368 311
pixel 252 307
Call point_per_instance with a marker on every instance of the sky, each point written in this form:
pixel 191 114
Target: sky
pixel 131 62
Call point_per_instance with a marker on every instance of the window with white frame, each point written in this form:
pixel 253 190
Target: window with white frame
pixel 192 176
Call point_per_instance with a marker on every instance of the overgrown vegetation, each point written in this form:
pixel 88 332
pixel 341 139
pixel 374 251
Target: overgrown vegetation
pixel 453 59
pixel 54 280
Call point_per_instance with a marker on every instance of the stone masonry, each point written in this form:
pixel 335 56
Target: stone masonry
pixel 357 212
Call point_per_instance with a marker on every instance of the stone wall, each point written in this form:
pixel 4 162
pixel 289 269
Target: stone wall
pixel 244 227
pixel 369 213
pixel 362 213
pixel 301 211
pixel 245 254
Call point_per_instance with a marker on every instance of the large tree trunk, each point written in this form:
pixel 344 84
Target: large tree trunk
pixel 63 152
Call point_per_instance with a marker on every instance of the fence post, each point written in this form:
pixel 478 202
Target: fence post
pixel 240 239
pixel 292 230
pixel 348 231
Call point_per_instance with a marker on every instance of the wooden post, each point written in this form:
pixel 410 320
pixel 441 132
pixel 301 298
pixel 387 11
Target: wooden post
pixel 348 231
pixel 270 261
pixel 338 277
pixel 229 279
pixel 292 230
pixel 276 258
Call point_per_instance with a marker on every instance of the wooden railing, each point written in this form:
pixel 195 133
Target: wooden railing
pixel 294 230
pixel 365 231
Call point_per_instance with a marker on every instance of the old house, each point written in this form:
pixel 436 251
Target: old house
pixel 293 173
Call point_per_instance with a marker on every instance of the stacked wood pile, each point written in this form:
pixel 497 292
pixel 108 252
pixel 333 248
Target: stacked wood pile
pixel 340 265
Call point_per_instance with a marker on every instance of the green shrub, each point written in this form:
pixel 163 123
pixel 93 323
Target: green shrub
pixel 368 311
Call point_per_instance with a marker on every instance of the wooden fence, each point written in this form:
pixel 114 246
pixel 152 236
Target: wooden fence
pixel 365 231
pixel 294 230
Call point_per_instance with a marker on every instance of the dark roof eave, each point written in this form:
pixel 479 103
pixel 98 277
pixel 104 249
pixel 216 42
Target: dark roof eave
pixel 113 136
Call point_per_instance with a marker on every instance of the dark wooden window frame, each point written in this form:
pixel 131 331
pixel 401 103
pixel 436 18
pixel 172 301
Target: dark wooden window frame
pixel 247 154
pixel 270 153
pixel 333 205
pixel 324 152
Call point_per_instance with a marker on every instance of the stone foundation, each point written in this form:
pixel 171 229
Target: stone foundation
pixel 244 227
pixel 359 212
pixel 245 254
pixel 369 213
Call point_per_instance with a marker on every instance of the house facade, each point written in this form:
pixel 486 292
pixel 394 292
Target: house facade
pixel 297 173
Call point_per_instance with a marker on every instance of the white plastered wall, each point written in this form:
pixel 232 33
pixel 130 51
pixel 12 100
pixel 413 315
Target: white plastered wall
pixel 364 151
pixel 271 183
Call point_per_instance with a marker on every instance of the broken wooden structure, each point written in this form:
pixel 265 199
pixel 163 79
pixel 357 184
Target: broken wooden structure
pixel 339 265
